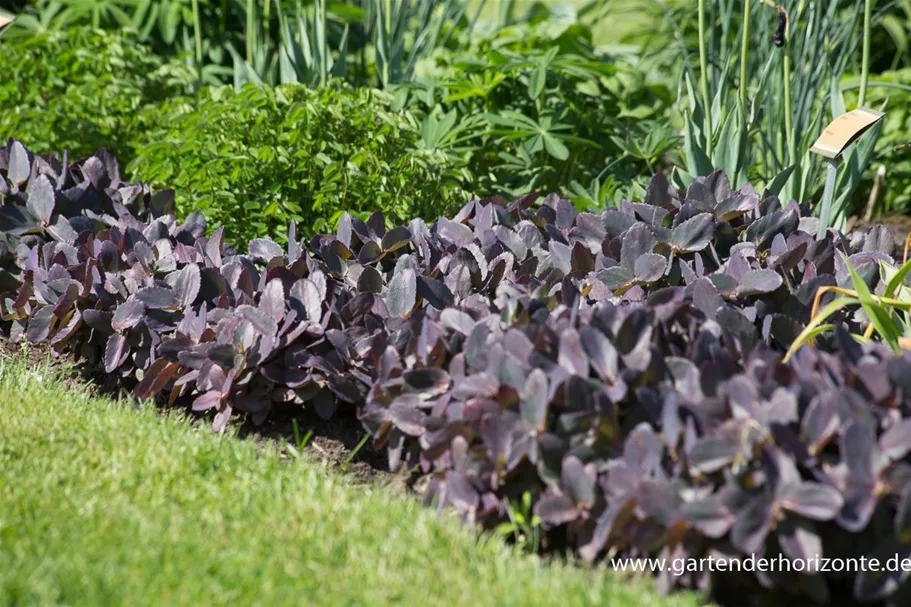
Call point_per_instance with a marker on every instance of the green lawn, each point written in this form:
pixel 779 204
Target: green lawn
pixel 103 504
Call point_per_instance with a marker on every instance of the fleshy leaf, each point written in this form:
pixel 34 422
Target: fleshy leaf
pixel 41 199
pixel 694 234
pixel 402 292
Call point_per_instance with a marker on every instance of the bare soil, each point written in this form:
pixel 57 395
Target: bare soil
pixel 899 226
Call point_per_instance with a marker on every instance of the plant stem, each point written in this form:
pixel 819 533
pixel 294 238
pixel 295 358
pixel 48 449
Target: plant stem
pixel 704 81
pixel 197 35
pixel 251 22
pixel 744 56
pixel 865 61
pixel 788 125
pixel 827 196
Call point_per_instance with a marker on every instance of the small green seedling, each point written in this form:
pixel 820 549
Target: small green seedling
pixel 523 527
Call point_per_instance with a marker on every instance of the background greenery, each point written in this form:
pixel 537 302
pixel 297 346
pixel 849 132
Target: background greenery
pixel 255 159
pixel 585 97
pixel 81 89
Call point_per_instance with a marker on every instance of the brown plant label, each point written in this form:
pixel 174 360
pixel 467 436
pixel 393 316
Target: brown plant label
pixel 6 21
pixel 844 130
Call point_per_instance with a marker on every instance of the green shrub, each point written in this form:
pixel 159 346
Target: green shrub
pixel 79 90
pixel 535 106
pixel 253 160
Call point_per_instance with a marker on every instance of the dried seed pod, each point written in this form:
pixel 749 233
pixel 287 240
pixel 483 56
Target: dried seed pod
pixel 778 38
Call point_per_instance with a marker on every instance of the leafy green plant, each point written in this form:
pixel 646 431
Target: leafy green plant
pixel 524 526
pixel 307 47
pixel 895 28
pixel 255 159
pixel 274 41
pixel 404 31
pixel 171 27
pixel 761 125
pixel 887 315
pixel 300 442
pixel 81 90
pixel 535 106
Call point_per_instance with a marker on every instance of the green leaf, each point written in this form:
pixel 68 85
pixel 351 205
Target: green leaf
pixel 876 312
pixel 555 147
pixel 815 326
pixel 777 183
pixel 727 152
pixel 681 178
pixel 697 162
pixel 897 278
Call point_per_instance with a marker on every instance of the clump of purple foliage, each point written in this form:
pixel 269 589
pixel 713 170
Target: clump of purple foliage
pixel 623 368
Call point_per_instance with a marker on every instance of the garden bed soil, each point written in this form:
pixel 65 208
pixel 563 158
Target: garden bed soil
pixel 898 225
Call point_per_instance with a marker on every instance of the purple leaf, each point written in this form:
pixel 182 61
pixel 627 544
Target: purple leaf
pixel 221 418
pixel 572 356
pixel 395 239
pixel 260 320
pixel 128 315
pixel 759 282
pixel 402 293
pixel 753 524
pixel 370 281
pixel 578 481
pixel 407 416
pixel 709 516
pixel 895 443
pixel 272 300
pixel 694 234
pixel 428 381
pixel 186 287
pixel 812 500
pixel 262 249
pixel 457 320
pixel 800 540
pixel 208 400
pixel 650 267
pixel 535 399
pixel 157 298
pixel 343 234
pixel 19 166
pixel 601 353
pixel 713 453
pixel 369 253
pixel 638 241
pixel 325 404
pixel 305 295
pixel 41 199
pixel 115 352
pixel 39 325
pixel 556 510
